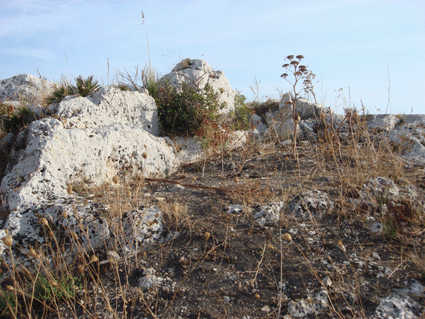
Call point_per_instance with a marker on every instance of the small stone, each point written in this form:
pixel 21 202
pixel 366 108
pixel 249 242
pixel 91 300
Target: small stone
pixel 226 298
pixel 376 255
pixel 327 281
pixel 265 309
pixel 376 228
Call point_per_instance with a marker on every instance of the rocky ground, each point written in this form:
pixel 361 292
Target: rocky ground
pixel 354 251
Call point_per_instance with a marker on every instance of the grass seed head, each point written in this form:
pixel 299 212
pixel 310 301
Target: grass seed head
pixel 287 237
pixel 341 245
pixel 8 240
pixel 33 253
pixel 44 222
pixel 80 269
pixel 10 288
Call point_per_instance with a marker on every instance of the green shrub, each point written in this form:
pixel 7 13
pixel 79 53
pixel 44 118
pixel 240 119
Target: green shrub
pixel 186 112
pixel 241 116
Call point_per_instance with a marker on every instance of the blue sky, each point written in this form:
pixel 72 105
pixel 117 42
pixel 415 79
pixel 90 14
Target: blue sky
pixel 363 47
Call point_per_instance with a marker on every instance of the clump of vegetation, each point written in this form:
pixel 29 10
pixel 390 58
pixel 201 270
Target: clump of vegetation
pixel 82 87
pixel 262 108
pixel 185 112
pixel 240 117
pixel 12 119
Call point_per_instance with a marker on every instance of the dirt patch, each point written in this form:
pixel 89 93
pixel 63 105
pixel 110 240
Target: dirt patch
pixel 220 262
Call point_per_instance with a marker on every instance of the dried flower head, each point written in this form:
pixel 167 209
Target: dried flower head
pixel 284 75
pixel 290 57
pixel 207 235
pixel 115 179
pixel 341 245
pixel 43 221
pixel 53 282
pixel 69 189
pixel 33 253
pixel 80 269
pixel 94 259
pixel 10 288
pixel 286 65
pixel 8 240
pixel 65 215
pixel 287 237
pixel 299 57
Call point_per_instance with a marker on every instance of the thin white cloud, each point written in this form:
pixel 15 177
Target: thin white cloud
pixel 27 52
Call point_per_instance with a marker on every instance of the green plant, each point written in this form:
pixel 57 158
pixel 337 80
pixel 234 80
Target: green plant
pixel 82 87
pixel 240 117
pixel 390 227
pixel 8 304
pixel 186 112
pixel 60 93
pixel 55 289
pixel 12 119
pixel 300 73
pixel 85 87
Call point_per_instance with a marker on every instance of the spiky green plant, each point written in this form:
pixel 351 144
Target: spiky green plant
pixel 85 87
pixel 82 87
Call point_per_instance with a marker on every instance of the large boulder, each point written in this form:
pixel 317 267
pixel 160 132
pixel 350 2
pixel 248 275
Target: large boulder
pixel 410 136
pixel 25 87
pixel 89 140
pixel 109 106
pixel 197 74
pixel 304 108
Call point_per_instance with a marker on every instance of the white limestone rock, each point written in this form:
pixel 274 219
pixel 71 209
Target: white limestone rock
pixel 55 156
pixel 197 73
pixel 109 106
pixel 304 108
pixel 269 215
pixel 281 125
pixel 382 122
pixel 142 227
pixel 309 205
pixel 410 135
pixel 303 307
pixel 25 87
